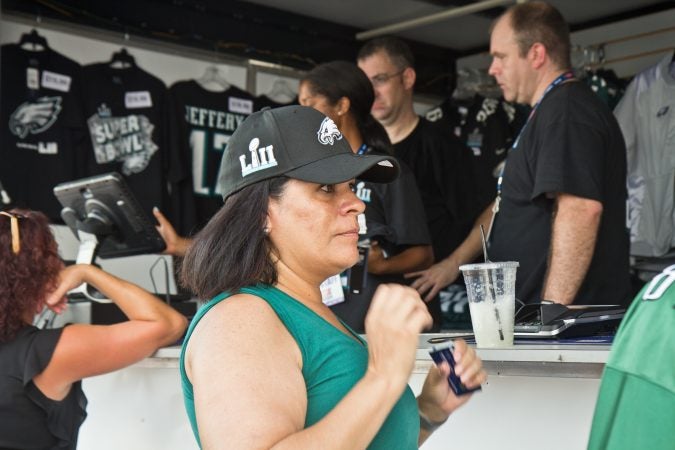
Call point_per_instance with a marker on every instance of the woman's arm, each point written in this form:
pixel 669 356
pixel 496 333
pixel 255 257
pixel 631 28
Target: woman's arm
pixel 246 370
pixel 432 280
pixel 87 350
pixel 415 257
pixel 437 401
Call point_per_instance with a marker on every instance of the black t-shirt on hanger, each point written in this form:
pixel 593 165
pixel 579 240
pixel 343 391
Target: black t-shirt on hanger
pixel 125 110
pixel 42 130
pixel 489 131
pixel 200 125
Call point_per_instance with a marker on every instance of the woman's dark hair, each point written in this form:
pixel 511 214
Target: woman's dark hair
pixel 233 250
pixel 338 79
pixel 28 276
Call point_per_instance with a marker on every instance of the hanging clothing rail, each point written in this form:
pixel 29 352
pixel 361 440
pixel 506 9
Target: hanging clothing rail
pixel 633 56
pixel 598 50
pixel 636 36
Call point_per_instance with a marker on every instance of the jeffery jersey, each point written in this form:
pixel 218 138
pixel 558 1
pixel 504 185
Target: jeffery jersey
pixel 201 123
pixel 41 126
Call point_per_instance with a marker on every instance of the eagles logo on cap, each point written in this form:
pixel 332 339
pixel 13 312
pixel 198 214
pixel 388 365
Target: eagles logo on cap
pixel 328 132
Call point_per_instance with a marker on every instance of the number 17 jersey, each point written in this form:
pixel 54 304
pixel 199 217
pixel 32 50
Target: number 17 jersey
pixel 201 123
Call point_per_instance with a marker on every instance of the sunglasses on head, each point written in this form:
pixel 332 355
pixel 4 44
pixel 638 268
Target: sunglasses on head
pixel 14 227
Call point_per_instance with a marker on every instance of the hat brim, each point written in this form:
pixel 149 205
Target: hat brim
pixel 345 166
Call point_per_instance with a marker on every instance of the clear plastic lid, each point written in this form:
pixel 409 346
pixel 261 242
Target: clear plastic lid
pixel 489 266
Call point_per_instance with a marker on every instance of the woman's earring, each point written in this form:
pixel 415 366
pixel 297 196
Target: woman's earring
pixel 266 230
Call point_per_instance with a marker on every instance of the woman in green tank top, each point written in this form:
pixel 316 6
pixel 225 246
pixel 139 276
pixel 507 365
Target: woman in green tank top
pixel 265 363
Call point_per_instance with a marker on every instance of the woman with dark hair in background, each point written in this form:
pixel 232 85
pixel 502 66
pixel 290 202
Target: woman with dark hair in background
pixel 41 400
pixel 265 364
pixel 395 218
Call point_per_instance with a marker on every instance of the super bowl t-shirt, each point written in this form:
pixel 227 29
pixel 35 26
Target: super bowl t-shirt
pixel 201 123
pixel 125 116
pixel 41 126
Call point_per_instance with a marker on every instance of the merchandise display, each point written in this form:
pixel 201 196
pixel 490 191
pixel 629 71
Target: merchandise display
pixel 488 127
pixel 41 125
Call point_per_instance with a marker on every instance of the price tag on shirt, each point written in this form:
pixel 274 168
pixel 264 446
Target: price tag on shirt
pixel 240 105
pixel 137 99
pixel 55 81
pixel 331 291
pixel 32 78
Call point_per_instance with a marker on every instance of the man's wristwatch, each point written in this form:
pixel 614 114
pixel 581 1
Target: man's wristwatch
pixel 428 425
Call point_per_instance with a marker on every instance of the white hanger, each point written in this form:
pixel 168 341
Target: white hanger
pixel 475 81
pixel 212 80
pixel 281 92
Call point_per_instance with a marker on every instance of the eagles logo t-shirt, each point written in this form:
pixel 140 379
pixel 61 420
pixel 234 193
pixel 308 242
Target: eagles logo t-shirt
pixel 124 109
pixel 41 126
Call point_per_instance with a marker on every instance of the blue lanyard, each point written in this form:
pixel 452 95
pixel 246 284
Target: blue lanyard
pixel 560 79
pixel 362 150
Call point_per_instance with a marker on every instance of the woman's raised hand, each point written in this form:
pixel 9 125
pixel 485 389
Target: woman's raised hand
pixel 396 317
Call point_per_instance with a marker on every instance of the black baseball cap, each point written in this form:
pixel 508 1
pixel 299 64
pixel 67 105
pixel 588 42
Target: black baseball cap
pixel 297 142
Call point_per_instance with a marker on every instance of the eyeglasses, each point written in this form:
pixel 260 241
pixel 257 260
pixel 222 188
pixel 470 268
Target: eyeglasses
pixel 382 78
pixel 14 227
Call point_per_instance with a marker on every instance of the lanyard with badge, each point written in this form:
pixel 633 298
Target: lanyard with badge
pixel 567 76
pixel 353 279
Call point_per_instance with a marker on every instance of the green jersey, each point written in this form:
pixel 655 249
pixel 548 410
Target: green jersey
pixel 636 404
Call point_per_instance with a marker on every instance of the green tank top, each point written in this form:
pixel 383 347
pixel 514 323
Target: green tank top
pixel 332 363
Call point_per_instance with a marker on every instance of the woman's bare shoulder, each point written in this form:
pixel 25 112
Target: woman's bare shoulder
pixel 240 320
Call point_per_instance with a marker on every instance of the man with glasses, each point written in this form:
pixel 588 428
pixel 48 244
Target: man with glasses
pixel 560 205
pixel 440 162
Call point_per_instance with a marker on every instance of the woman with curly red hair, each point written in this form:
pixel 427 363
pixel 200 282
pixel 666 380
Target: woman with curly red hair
pixel 41 400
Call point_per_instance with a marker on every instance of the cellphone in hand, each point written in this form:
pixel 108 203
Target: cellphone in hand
pixel 440 353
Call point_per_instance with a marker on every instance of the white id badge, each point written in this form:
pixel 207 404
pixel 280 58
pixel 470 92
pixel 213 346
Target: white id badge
pixel 331 291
